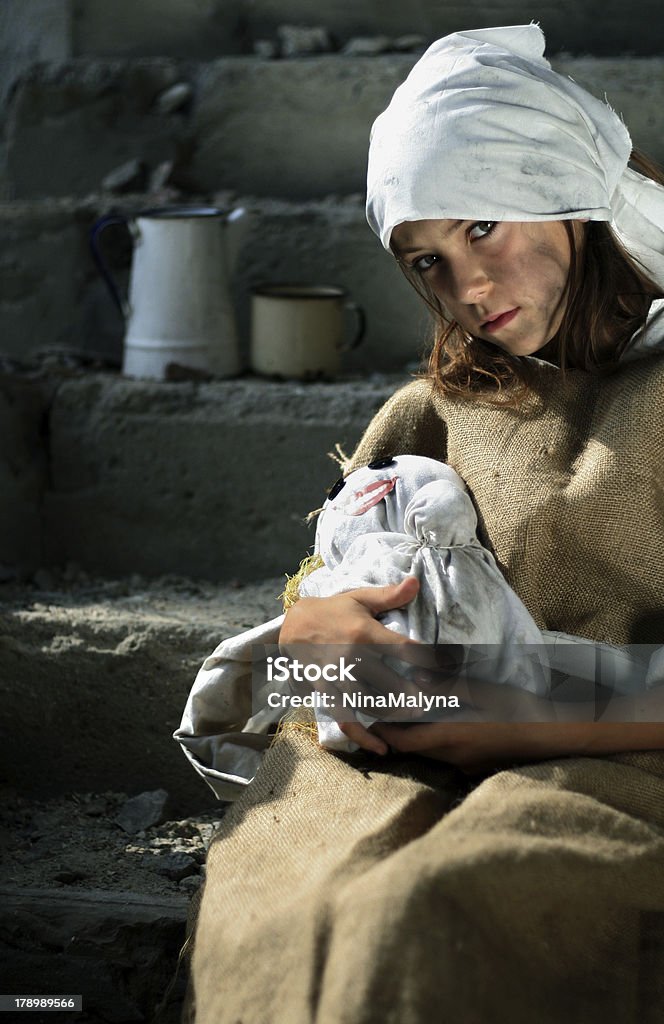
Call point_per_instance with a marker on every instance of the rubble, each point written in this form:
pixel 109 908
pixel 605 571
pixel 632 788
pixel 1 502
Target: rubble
pixel 162 176
pixel 128 177
pixel 143 810
pixel 75 841
pixel 367 46
pixel 300 41
pixel 409 43
pixel 177 865
pixel 175 98
pixel 267 49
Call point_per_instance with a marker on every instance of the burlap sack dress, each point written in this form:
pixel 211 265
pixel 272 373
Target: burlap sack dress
pixel 348 889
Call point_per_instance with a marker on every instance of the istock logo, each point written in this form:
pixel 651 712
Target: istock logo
pixel 282 668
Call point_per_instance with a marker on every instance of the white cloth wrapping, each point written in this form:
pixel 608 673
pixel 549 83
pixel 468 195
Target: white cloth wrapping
pixel 483 128
pixel 219 735
pixel 414 517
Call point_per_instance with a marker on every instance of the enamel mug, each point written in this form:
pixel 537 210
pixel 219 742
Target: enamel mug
pixel 300 331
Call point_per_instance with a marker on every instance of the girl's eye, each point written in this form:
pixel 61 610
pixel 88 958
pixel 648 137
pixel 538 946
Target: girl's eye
pixel 423 263
pixel 481 229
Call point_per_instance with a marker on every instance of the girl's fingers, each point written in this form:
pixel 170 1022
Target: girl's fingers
pixel 384 599
pixel 364 739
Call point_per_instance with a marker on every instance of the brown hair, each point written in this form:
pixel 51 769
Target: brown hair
pixel 607 297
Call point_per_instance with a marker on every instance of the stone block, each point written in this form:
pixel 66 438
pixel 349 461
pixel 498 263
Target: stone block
pixel 205 480
pixel 23 475
pixel 68 126
pixel 292 129
pixel 94 678
pixel 298 41
pixel 244 142
pixel 119 951
pixel 206 28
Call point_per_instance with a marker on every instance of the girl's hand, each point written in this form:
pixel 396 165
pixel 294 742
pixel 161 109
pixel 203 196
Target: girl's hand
pixel 347 618
pixel 477 747
pixel 511 726
pixel 320 630
pixel 345 621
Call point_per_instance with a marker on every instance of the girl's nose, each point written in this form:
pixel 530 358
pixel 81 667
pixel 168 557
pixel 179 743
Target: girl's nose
pixel 470 283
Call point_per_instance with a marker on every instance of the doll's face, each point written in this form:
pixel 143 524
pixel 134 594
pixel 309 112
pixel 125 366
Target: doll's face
pixel 365 488
pixel 384 496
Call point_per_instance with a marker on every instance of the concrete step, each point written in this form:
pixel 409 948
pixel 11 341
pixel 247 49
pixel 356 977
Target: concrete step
pixel 210 480
pixel 119 952
pixel 202 29
pixel 95 675
pixel 287 129
pixel 52 297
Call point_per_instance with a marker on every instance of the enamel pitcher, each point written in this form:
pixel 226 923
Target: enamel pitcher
pixel 180 309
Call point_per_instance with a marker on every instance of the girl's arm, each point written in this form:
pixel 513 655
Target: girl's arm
pixel 482 746
pixel 471 746
pixel 539 728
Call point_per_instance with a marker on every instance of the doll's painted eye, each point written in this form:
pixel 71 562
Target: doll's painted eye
pixel 338 486
pixel 381 463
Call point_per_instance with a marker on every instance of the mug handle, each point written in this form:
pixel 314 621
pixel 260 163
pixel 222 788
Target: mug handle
pixel 361 328
pixel 102 265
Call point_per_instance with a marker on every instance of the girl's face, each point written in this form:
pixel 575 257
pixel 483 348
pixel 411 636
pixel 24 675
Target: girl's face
pixel 501 281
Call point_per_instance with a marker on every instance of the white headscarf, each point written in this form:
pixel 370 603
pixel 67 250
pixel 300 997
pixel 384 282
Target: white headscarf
pixel 484 128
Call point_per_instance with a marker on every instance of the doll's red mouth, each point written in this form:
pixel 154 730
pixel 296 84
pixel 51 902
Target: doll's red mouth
pixel 373 492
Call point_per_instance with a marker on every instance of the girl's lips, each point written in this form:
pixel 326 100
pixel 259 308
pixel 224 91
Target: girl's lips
pixel 500 321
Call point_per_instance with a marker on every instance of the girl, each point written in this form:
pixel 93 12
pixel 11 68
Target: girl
pixel 394 888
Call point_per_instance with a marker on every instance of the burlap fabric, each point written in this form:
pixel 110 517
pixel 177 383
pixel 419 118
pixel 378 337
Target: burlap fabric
pixel 351 890
pixel 568 491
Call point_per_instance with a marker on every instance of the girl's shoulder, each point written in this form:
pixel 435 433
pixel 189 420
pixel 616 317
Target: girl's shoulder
pixel 409 423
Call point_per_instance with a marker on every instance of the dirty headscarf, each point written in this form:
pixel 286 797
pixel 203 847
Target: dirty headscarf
pixel 484 128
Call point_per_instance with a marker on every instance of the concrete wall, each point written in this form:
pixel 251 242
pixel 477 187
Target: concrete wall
pixel 204 28
pixel 210 481
pixel 284 129
pixel 244 142
pixel 201 29
pixel 50 294
pixel 23 474
pixel 52 297
pixel 31 31
pixel 69 125
pixel 36 30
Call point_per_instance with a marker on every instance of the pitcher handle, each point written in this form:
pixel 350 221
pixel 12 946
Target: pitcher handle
pixel 361 328
pixel 102 266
